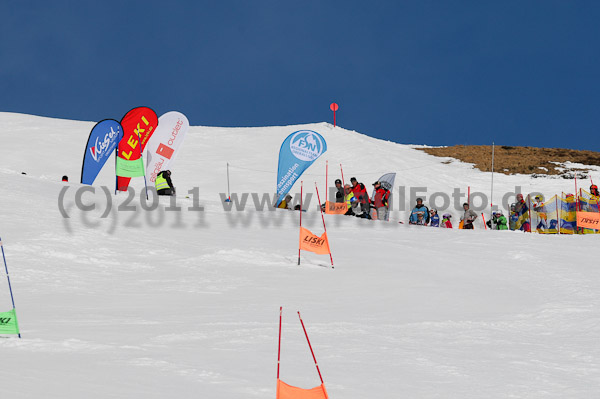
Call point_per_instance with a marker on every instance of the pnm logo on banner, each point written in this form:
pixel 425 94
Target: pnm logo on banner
pixel 306 146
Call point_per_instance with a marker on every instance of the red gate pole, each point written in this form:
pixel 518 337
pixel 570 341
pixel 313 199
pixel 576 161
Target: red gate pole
pixel 279 347
pixel 310 346
pixel 324 228
pixel 483 217
pixel 342 170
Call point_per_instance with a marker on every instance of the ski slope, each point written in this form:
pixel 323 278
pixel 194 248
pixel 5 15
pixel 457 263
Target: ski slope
pixel 156 304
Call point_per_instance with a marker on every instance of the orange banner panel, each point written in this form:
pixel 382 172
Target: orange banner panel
pixel 313 243
pixel 588 220
pixel 336 208
pixel 285 391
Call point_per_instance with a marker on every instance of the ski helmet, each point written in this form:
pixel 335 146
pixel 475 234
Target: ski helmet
pixel 433 210
pixel 338 181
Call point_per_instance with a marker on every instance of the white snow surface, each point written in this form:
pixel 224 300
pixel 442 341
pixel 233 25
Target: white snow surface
pixel 187 306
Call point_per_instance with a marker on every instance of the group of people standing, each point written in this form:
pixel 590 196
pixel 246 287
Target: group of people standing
pixel 423 216
pixel 358 202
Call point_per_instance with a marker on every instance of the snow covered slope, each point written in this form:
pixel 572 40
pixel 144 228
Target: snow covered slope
pixel 185 304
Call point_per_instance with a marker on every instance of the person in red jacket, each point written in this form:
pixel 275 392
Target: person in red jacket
pixel 360 192
pixel 380 201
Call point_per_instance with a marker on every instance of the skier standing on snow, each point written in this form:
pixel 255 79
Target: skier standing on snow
pixel 339 191
pixel 521 210
pixel 468 218
pixel 434 218
pixel 422 209
pixel 499 221
pixel 513 217
pixel 163 183
pixel 360 193
pixel 540 208
pixel 446 223
pixel 351 201
pixel 380 201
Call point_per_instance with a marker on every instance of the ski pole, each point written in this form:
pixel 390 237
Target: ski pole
pixel 12 298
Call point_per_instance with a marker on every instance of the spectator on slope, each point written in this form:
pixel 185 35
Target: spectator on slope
pixel 360 193
pixel 446 223
pixel 286 202
pixel 594 191
pixel 521 210
pixel 434 218
pixel 421 221
pixel 163 183
pixel 420 208
pixel 468 217
pixel 539 207
pixel 498 221
pixel 339 191
pixel 513 217
pixel 380 201
pixel 351 201
pixel 65 178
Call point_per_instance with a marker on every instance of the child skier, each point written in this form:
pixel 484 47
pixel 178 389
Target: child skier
pixel 421 221
pixel 446 223
pixel 434 219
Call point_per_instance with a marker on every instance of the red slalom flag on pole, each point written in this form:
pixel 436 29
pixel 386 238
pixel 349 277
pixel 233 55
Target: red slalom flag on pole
pixel 334 107
pixel 286 391
pixel 324 227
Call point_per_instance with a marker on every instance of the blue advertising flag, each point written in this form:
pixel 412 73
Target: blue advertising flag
pixel 103 140
pixel 298 151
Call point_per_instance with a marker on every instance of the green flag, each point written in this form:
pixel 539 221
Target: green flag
pixel 127 168
pixel 8 322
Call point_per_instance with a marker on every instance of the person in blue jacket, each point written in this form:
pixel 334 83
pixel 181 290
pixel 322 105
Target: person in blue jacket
pixel 420 208
pixel 435 219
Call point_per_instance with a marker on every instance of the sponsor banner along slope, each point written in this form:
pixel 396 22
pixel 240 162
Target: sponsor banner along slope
pixel 138 126
pixel 165 142
pixel 104 138
pixel 298 151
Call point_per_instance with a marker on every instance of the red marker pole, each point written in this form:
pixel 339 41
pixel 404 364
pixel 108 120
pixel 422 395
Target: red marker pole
pixel 311 349
pixel 279 347
pixel 324 228
pixel 334 107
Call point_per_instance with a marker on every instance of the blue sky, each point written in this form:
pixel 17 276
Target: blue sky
pixel 425 72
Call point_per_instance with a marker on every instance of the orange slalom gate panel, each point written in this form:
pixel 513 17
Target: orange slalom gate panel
pixel 286 391
pixel 313 243
pixel 588 220
pixel 336 208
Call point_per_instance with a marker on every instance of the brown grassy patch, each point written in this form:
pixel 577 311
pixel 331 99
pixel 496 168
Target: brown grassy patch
pixel 525 160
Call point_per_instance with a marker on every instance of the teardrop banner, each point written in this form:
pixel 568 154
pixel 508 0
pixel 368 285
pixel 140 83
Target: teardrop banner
pixel 104 138
pixel 165 143
pixel 138 126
